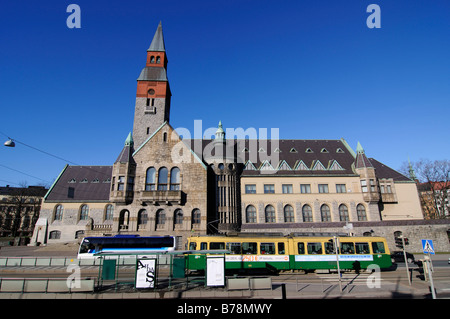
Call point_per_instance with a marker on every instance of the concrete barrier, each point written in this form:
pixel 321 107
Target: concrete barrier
pixel 260 283
pixel 238 283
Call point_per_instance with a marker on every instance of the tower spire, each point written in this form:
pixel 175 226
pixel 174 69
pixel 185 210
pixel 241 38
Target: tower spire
pixel 157 44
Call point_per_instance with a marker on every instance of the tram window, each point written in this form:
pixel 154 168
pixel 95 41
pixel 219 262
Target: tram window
pixel 301 248
pixel 281 249
pixel 347 248
pixel 267 248
pixel 235 248
pixel 362 248
pixel 378 248
pixel 216 245
pixel 315 248
pixel 249 248
pixel 192 246
pixel 203 246
pixel 329 248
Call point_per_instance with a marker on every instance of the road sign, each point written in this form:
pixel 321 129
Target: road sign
pixel 427 246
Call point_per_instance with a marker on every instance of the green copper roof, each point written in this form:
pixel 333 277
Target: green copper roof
pixel 129 141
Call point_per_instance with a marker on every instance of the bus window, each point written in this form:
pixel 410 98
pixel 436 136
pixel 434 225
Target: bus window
pixel 329 248
pixel 347 248
pixel 192 245
pixel 362 248
pixel 203 246
pixel 281 249
pixel 249 248
pixel 378 248
pixel 235 248
pixel 267 248
pixel 216 245
pixel 301 248
pixel 315 248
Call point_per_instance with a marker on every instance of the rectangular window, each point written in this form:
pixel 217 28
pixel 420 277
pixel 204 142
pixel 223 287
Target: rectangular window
pixel 314 248
pixel 364 186
pixel 372 185
pixel 378 248
pixel 267 248
pixel 281 250
pixel 347 248
pixel 301 248
pixel 305 188
pixel 235 248
pixel 329 248
pixel 250 189
pixel 382 189
pixel 389 190
pixel 340 188
pixel 203 246
pixel 287 188
pixel 192 246
pixel 362 248
pixel 216 245
pixel 269 189
pixel 249 248
pixel 323 188
pixel 121 183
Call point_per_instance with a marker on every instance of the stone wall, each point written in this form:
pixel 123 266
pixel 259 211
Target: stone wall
pixel 414 230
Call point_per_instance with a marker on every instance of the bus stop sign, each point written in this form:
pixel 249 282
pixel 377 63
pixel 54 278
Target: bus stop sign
pixel 427 246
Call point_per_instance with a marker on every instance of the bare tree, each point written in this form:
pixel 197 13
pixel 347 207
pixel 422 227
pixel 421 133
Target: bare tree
pixel 433 185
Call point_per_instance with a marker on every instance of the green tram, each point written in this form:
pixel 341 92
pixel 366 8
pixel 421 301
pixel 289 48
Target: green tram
pixel 291 253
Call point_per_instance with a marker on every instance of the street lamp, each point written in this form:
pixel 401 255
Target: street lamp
pixel 10 143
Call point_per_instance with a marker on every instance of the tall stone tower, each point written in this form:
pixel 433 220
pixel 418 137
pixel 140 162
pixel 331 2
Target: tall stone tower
pixel 153 92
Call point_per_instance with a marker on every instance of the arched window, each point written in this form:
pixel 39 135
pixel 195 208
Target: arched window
pixel 178 217
pixel 158 59
pixel 109 213
pixel 325 213
pixel 160 218
pixel 59 210
pixel 343 213
pixel 142 217
pixel 55 234
pixel 152 59
pixel 196 216
pixel 124 217
pixel 150 179
pixel 84 212
pixel 79 234
pixel 307 213
pixel 270 214
pixel 175 179
pixel 288 214
pixel 162 178
pixel 250 214
pixel 361 212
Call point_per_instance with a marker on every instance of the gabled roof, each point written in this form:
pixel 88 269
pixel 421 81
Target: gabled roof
pixel 81 184
pixel 278 154
pixel 383 171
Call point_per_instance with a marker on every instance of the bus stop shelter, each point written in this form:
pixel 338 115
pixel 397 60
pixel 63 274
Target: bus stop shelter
pixel 158 270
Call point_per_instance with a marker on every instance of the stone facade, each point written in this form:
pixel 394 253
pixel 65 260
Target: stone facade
pixel 161 184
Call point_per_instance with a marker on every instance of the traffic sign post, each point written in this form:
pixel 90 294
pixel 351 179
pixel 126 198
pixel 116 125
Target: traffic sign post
pixel 428 248
pixel 406 259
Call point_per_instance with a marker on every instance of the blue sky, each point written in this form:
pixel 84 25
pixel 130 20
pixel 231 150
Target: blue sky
pixel 313 69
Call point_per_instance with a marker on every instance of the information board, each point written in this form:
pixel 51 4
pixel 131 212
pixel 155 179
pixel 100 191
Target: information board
pixel 145 273
pixel 215 271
